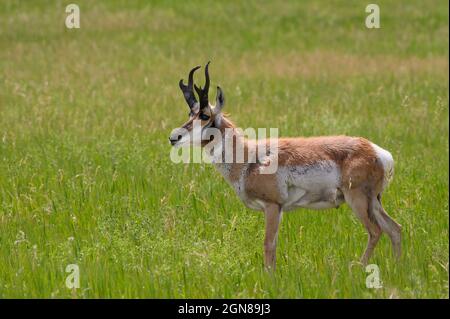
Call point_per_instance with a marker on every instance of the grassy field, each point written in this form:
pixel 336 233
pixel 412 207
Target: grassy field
pixel 85 172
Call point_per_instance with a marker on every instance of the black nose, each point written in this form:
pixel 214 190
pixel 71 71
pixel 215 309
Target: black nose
pixel 173 141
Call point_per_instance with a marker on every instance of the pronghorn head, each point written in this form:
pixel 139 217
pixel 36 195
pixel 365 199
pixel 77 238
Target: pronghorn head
pixel 201 114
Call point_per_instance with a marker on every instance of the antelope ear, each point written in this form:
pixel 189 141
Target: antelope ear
pixel 220 101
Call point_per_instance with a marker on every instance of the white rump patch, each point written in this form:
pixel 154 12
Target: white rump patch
pixel 387 161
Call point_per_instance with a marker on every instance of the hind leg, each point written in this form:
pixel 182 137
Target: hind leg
pixel 389 226
pixel 359 203
pixel 374 232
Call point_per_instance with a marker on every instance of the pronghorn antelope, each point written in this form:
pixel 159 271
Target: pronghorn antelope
pixel 314 172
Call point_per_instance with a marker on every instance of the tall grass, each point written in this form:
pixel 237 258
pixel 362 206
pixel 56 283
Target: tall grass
pixel 85 172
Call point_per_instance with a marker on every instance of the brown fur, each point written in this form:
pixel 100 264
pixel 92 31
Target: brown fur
pixel 361 184
pixel 354 155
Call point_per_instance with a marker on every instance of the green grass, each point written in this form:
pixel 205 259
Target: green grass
pixel 85 172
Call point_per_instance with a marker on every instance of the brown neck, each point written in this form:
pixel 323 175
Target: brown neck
pixel 225 125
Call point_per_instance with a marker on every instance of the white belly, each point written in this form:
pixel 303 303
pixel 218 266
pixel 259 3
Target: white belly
pixel 313 186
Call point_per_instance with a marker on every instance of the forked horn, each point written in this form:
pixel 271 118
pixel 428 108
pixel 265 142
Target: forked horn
pixel 188 90
pixel 203 93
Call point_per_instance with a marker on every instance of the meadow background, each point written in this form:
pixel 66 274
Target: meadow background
pixel 85 173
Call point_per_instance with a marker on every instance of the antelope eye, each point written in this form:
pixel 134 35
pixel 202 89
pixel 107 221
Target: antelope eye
pixel 203 117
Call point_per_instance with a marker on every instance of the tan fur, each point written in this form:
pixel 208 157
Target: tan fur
pixel 354 155
pixel 361 182
pixel 357 176
pixel 262 186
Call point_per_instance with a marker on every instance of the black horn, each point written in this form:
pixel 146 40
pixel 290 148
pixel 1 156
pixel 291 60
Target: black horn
pixel 203 93
pixel 187 90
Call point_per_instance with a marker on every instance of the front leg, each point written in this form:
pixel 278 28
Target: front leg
pixel 273 218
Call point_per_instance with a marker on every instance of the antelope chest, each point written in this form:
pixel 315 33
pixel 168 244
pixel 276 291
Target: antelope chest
pixel 313 186
pixel 236 177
